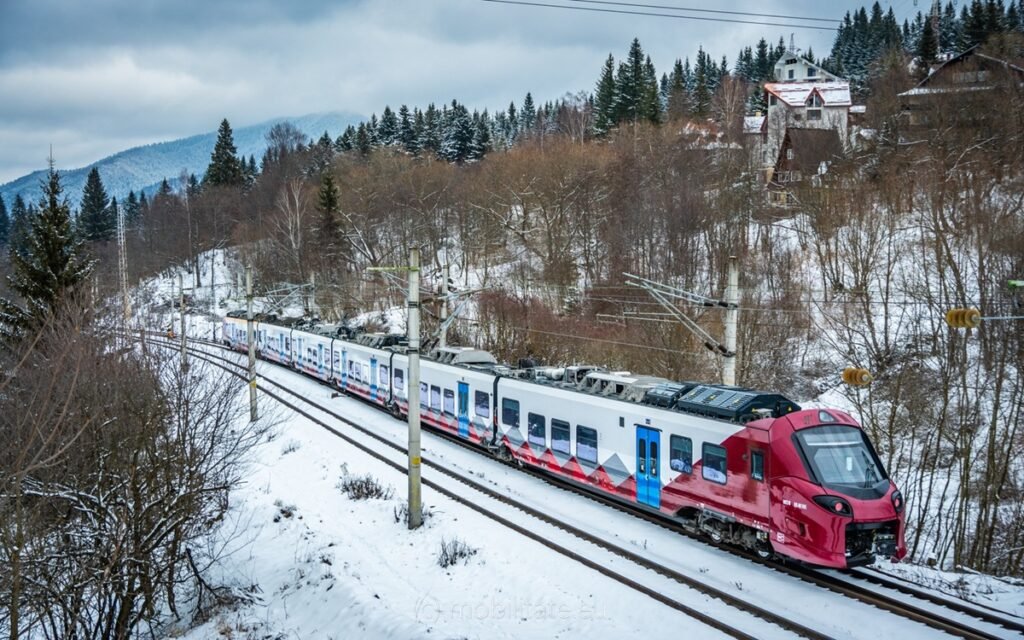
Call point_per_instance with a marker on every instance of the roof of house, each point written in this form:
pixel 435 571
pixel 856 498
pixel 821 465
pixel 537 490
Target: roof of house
pixel 753 124
pixel 795 94
pixel 922 87
pixel 811 147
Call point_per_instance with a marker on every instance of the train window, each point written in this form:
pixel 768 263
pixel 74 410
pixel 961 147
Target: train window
pixel 399 379
pixel 424 394
pixel 757 465
pixel 654 459
pixel 560 437
pixel 337 361
pixel 680 454
pixel 713 463
pixel 510 412
pixel 449 402
pixel 383 380
pixel 482 406
pixel 537 429
pixel 586 444
pixel 622 421
pixel 435 397
pixel 287 344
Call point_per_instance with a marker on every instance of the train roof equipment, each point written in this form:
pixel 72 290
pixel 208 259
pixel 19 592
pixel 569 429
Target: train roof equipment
pixel 734 404
pixel 464 356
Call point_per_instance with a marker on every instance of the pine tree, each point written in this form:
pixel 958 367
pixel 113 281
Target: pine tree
pixel 362 141
pixel 94 219
pixel 458 134
pixel 481 144
pixel 193 188
pixel 407 131
pixel 605 99
pixel 346 141
pixel 527 115
pixel 702 84
pixel 630 85
pixel 5 222
pixel 143 204
pixel 51 268
pixel 387 131
pixel 928 45
pixel 678 98
pixel 132 209
pixel 329 226
pixel 650 105
pixel 224 170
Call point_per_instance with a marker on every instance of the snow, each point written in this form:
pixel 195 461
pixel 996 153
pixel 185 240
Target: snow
pixel 795 94
pixel 753 124
pixel 507 566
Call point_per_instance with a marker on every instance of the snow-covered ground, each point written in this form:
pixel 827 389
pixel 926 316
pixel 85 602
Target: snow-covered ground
pixel 327 566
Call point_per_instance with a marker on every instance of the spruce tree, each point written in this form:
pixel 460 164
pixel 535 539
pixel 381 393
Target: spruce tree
pixel 224 170
pixel 481 144
pixel 458 134
pixel 329 228
pixel 406 131
pixel 650 105
pixel 928 45
pixel 387 131
pixel 132 209
pixel 51 267
pixel 5 222
pixel 94 219
pixel 527 115
pixel 678 99
pixel 604 98
pixel 630 85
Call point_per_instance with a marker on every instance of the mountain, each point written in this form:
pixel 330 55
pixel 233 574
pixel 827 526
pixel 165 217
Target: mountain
pixel 142 168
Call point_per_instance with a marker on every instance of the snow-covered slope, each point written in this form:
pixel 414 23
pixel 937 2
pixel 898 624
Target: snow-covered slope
pixel 142 168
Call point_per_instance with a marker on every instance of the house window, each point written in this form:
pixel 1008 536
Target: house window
pixel 814 114
pixel 811 72
pixel 789 153
pixel 792 74
pixel 815 101
pixel 772 100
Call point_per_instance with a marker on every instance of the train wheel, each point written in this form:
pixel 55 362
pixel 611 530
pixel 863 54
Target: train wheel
pixel 714 530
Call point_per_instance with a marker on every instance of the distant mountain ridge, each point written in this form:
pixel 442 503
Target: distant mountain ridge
pixel 143 168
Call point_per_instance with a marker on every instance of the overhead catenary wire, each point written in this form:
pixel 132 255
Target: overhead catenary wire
pixel 694 10
pixel 659 15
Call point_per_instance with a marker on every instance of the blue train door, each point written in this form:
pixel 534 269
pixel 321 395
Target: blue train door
pixel 463 410
pixel 648 452
pixel 373 378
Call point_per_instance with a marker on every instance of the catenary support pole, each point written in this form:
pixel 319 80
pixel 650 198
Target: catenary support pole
pixel 251 341
pixel 442 340
pixel 181 312
pixel 732 298
pixel 415 496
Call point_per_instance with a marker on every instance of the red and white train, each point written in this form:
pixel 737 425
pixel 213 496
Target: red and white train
pixel 742 466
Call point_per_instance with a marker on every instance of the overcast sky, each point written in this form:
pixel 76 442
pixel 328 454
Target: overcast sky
pixel 92 77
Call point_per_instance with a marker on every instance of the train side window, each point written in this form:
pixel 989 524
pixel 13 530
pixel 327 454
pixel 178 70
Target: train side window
pixel 424 394
pixel 560 437
pixel 757 465
pixel 449 402
pixel 435 397
pixel 510 412
pixel 680 455
pixel 482 406
pixel 586 444
pixel 399 379
pixel 713 463
pixel 383 380
pixel 537 429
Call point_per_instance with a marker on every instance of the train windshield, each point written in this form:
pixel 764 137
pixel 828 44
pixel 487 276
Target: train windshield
pixel 842 459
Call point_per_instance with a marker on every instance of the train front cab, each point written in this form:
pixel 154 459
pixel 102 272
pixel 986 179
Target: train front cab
pixel 832 503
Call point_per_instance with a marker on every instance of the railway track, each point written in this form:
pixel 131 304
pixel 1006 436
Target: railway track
pixel 963 621
pixel 605 546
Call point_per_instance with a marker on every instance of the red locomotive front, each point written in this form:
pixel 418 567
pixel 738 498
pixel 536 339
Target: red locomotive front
pixel 832 502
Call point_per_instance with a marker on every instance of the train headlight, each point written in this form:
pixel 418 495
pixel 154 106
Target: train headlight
pixel 835 505
pixel 897 501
